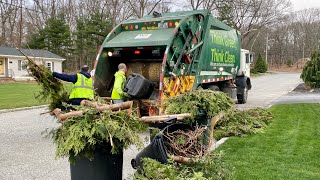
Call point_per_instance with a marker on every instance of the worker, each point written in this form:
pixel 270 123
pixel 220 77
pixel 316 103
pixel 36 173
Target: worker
pixel 82 88
pixel 118 96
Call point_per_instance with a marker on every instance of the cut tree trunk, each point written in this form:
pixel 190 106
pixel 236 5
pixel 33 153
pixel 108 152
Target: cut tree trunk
pixel 114 107
pixel 151 119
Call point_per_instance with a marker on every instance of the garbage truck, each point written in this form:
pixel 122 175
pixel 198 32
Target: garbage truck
pixel 177 52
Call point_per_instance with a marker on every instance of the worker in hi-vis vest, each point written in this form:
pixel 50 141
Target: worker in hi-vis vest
pixel 82 88
pixel 118 96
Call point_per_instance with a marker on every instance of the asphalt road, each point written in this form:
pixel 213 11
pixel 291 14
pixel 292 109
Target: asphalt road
pixel 25 154
pixel 268 88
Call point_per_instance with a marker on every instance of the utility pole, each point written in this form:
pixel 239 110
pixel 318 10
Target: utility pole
pixel 267 50
pixel 20 26
pixel 303 51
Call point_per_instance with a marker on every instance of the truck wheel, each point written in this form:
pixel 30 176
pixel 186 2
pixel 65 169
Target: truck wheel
pixel 213 88
pixel 242 98
pixel 199 88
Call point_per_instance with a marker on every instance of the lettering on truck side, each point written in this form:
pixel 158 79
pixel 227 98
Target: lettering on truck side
pixel 220 56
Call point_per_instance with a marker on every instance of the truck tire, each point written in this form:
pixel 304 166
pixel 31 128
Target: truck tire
pixel 242 97
pixel 214 88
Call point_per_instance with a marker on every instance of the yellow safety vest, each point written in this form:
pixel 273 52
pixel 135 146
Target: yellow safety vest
pixel 83 88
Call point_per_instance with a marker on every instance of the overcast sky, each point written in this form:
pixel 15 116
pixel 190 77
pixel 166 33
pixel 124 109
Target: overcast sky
pixel 303 4
pixel 296 4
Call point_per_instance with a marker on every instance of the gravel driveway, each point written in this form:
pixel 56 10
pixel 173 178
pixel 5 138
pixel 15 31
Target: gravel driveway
pixel 25 154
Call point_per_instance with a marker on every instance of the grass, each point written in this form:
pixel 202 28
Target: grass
pixel 19 94
pixel 288 149
pixel 260 74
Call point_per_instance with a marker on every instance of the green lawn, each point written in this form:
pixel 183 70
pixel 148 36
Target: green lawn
pixel 19 94
pixel 288 149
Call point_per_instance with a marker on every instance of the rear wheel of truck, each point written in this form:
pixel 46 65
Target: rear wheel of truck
pixel 242 98
pixel 214 88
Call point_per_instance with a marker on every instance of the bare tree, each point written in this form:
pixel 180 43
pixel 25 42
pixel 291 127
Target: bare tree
pixel 8 12
pixel 143 7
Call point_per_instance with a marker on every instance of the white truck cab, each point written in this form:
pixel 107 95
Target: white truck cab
pixel 246 59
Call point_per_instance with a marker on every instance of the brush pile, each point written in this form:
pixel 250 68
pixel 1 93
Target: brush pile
pixel 185 143
pixel 241 123
pixel 204 106
pixel 211 102
pixel 190 156
pixel 81 135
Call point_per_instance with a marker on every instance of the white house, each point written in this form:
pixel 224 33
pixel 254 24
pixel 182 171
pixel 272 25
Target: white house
pixel 13 63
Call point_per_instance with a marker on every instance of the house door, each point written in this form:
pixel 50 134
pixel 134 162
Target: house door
pixel 1 66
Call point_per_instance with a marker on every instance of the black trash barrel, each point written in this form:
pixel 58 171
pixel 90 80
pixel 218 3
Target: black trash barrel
pixel 160 125
pixel 138 87
pixel 104 166
pixel 157 150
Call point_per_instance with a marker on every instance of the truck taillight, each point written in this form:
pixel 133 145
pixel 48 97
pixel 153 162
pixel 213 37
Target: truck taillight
pixel 137 52
pixel 151 111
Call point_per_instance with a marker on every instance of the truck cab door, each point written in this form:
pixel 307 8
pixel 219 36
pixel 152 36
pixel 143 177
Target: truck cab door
pixel 248 62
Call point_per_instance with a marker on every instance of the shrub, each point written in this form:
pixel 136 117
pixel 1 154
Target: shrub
pixel 289 63
pixel 253 71
pixel 260 65
pixel 311 71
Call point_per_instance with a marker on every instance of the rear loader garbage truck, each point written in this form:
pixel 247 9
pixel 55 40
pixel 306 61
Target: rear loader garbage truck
pixel 177 52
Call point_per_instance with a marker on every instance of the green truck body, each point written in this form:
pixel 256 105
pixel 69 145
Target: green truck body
pixel 178 51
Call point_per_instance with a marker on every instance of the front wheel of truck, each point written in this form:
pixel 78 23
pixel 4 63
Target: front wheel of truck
pixel 243 96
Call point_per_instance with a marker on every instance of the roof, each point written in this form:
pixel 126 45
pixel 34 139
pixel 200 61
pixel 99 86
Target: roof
pixel 141 38
pixel 7 51
pixel 167 16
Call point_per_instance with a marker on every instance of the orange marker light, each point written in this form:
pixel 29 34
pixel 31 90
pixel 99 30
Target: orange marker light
pixel 126 27
pixel 137 52
pixel 170 24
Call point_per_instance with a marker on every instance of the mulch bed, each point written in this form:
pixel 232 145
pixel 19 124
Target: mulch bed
pixel 303 88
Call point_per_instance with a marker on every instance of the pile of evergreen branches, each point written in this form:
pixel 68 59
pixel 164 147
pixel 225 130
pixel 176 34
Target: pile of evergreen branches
pixel 211 166
pixel 211 102
pixel 80 136
pixel 240 123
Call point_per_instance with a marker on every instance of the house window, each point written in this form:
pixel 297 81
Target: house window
pixel 22 65
pixel 49 65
